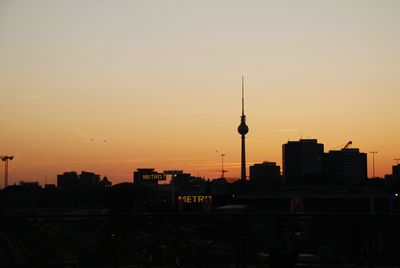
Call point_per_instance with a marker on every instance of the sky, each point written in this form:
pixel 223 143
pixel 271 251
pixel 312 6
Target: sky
pixel 111 86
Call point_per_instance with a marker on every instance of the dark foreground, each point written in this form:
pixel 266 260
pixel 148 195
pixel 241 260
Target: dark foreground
pixel 100 239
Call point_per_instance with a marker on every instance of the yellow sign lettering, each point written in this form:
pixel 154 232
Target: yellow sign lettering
pixel 195 198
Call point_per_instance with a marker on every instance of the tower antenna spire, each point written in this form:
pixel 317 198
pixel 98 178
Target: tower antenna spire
pixel 242 95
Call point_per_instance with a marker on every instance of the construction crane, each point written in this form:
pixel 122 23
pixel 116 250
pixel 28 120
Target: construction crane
pixel 5 159
pixel 347 145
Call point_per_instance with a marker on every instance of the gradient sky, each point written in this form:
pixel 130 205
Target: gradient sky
pixel 160 81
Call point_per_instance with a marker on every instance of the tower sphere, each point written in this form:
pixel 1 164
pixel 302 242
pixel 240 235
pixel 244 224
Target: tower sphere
pixel 243 129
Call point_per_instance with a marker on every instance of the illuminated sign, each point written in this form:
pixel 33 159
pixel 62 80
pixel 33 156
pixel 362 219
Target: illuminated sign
pixel 154 177
pixel 195 198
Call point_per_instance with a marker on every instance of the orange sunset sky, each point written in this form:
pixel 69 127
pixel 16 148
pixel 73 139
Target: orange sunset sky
pixel 160 81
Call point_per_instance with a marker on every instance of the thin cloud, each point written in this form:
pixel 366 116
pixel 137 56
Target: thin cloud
pixel 202 166
pixel 286 130
pixel 202 112
pixel 174 113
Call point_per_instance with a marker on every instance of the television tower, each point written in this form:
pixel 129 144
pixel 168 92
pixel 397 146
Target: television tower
pixel 243 129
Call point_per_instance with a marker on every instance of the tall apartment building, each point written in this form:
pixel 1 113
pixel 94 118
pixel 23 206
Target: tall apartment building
pixel 302 162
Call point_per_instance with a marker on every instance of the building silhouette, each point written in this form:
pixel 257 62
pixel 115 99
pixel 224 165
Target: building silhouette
pixel 396 170
pixel 73 181
pixel 392 181
pixel 187 182
pixel 68 180
pixel 29 184
pixel 105 183
pixel 148 176
pixel 302 162
pixel 88 179
pixel 266 173
pixel 343 167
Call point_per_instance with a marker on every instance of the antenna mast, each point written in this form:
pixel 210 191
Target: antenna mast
pixel 242 95
pixel 223 171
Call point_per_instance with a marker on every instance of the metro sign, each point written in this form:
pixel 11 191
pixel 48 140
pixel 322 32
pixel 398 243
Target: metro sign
pixel 154 177
pixel 195 198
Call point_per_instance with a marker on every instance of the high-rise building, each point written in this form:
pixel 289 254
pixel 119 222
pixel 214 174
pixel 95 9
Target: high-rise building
pixel 302 162
pixel 345 167
pixel 243 129
pixel 392 181
pixel 88 179
pixel 68 180
pixel 396 170
pixel 266 173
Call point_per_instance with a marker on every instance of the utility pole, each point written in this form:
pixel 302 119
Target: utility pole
pixel 373 162
pixel 223 171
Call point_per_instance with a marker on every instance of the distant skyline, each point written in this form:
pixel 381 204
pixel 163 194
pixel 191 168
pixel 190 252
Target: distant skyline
pixel 160 81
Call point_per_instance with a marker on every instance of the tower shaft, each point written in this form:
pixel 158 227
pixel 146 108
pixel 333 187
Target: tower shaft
pixel 243 165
